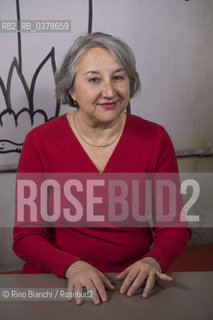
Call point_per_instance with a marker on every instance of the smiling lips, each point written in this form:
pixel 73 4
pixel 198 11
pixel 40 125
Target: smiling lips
pixel 108 105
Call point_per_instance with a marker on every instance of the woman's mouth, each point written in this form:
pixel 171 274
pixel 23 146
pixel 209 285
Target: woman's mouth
pixel 108 105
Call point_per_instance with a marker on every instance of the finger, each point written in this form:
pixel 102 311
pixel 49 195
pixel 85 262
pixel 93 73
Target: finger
pixel 165 277
pixel 136 284
pixel 90 286
pixel 78 293
pixel 107 282
pixel 123 274
pixel 69 290
pixel 128 280
pixel 100 288
pixel 149 284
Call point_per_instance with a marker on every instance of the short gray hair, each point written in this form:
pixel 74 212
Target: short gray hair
pixel 65 77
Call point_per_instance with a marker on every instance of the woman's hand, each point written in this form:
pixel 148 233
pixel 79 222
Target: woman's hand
pixel 147 268
pixel 81 274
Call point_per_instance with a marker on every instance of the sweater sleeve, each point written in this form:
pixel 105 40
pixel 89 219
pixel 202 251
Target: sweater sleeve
pixel 168 242
pixel 34 244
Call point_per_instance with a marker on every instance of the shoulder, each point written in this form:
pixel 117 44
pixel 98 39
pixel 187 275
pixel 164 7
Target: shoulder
pixel 146 129
pixel 41 143
pixel 152 141
pixel 49 130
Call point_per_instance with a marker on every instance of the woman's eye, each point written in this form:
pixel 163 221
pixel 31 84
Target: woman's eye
pixel 118 78
pixel 94 80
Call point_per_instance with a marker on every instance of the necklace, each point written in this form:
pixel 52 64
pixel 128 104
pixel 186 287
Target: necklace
pixel 90 144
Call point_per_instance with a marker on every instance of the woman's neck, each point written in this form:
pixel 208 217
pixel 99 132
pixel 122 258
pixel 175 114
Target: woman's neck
pixel 98 133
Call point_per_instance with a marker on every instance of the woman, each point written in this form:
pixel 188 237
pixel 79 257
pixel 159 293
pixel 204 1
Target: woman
pixel 98 77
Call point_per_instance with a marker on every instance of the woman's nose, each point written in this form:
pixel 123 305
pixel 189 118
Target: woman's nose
pixel 108 90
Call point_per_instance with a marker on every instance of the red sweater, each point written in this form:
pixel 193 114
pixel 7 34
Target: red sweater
pixel 143 147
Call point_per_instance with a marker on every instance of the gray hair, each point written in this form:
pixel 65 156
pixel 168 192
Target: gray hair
pixel 65 77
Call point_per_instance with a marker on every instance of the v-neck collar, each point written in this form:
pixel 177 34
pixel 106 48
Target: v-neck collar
pixel 86 156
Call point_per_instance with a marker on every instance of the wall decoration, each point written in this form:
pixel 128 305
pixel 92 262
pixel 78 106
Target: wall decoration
pixel 9 143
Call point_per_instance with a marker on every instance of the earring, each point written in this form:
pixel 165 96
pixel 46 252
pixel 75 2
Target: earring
pixel 72 102
pixel 75 104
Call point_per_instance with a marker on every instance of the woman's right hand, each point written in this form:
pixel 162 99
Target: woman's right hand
pixel 81 274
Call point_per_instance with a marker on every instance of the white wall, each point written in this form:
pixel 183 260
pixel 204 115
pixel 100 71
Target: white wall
pixel 172 41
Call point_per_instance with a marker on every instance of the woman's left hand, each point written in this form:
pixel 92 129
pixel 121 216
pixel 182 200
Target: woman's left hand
pixel 147 268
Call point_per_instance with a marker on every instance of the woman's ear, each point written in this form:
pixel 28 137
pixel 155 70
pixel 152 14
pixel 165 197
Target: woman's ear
pixel 72 94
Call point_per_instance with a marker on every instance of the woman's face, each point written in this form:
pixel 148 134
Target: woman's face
pixel 102 87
